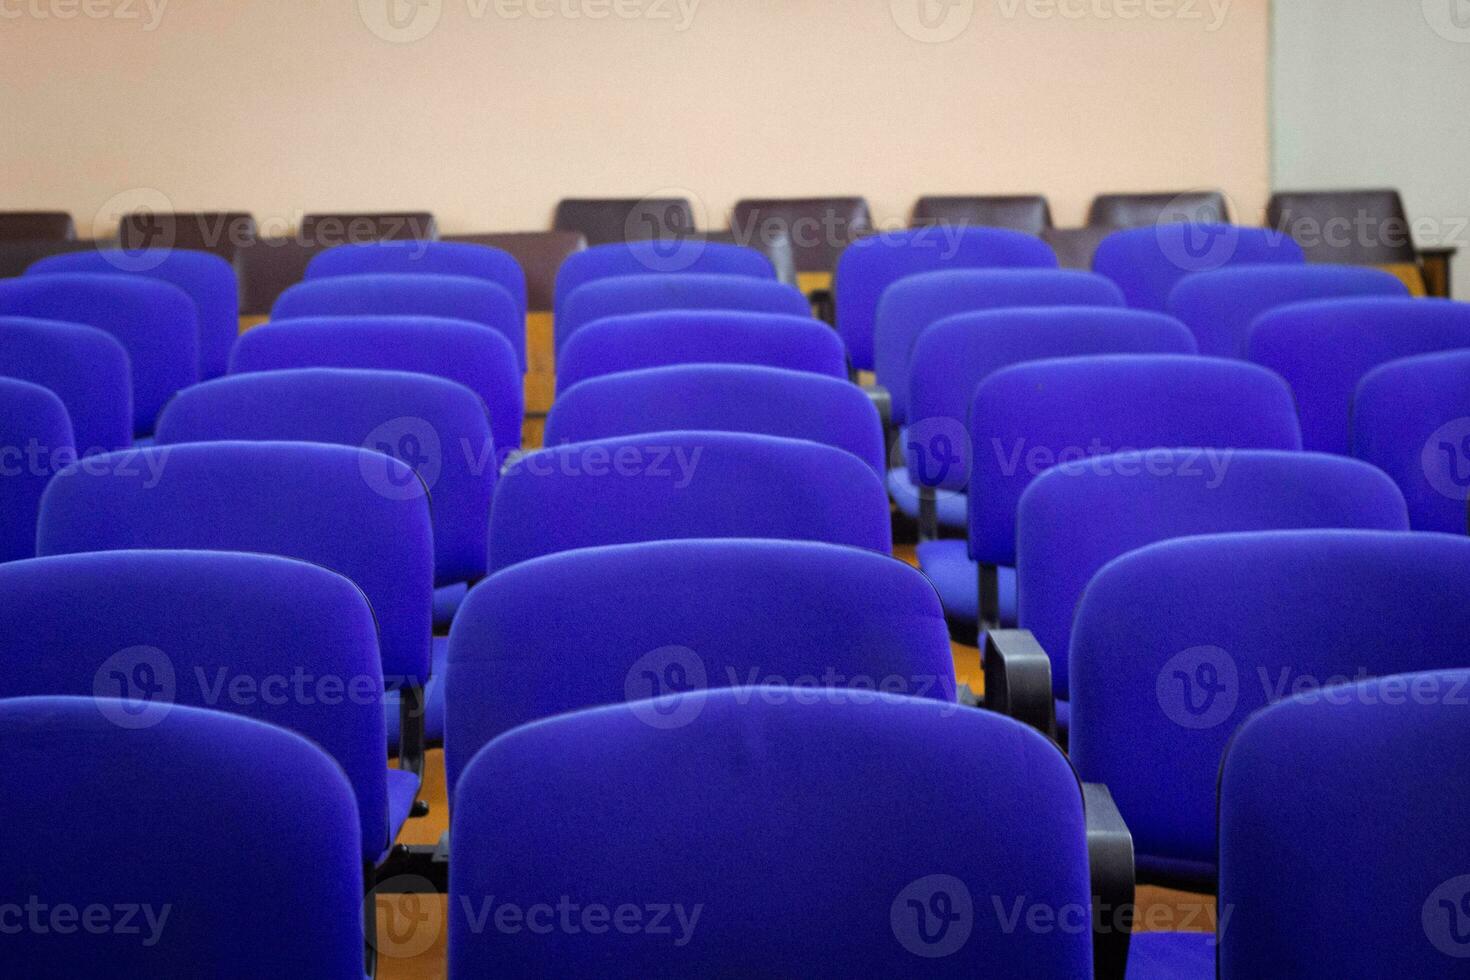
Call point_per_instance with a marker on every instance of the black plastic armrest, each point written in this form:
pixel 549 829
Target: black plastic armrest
pixel 1018 679
pixel 411 740
pixel 1110 863
pixel 882 400
pixel 823 305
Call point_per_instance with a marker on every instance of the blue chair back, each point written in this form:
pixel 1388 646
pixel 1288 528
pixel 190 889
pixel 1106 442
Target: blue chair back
pixel 85 367
pixel 1323 349
pixel 155 322
pixel 686 291
pixel 1147 263
pixel 646 340
pixel 263 823
pixel 692 256
pixel 36 442
pixel 435 427
pixel 869 266
pixel 812 789
pixel 424 258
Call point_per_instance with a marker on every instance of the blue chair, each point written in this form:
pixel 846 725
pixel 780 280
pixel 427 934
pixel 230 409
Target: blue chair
pixel 154 321
pixel 691 256
pixel 259 825
pixel 814 789
pixel 35 442
pixel 869 266
pixel 1411 419
pixel 1029 417
pixel 1340 773
pixel 1175 644
pixel 416 295
pixel 85 367
pixel 1077 517
pixel 730 613
pixel 954 355
pixel 281 641
pixel 208 280
pixel 668 485
pixel 623 295
pixel 721 398
pixel 1323 349
pixel 1147 263
pixel 646 340
pixel 353 511
pixel 457 350
pixel 424 258
pixel 1220 306
pixel 910 306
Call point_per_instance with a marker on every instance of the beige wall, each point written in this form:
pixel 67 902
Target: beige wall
pixel 288 106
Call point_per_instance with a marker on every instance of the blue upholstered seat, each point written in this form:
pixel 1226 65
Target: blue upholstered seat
pixel 85 367
pixel 1147 263
pixel 424 258
pixel 684 256
pixel 622 295
pixel 35 432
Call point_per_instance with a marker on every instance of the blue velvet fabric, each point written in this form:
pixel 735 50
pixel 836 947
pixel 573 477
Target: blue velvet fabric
pixel 424 258
pixel 949 505
pixel 687 291
pixel 201 838
pixel 1174 956
pixel 645 340
pixel 1147 263
pixel 910 306
pixel 1077 517
pixel 786 823
pixel 666 485
pixel 1411 419
pixel 957 578
pixel 85 367
pixel 208 279
pixel 35 443
pixel 417 295
pixel 1323 349
pixel 1175 644
pixel 314 502
pixel 282 641
pixel 689 256
pixel 1220 306
pixel 870 265
pixel 730 613
pixel 156 323
pixel 1029 417
pixel 481 360
pixel 722 398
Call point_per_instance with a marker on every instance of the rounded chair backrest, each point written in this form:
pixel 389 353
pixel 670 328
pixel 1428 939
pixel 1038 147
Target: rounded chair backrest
pixel 208 280
pixel 646 340
pixel 435 427
pixel 1029 417
pixel 910 306
pixel 1220 306
pixel 85 367
pixel 657 257
pixel 154 321
pixel 687 291
pixel 1323 349
pixel 815 789
pixel 424 258
pixel 267 820
pixel 1176 644
pixel 721 398
pixel 1147 263
pixel 460 351
pixel 731 613
pixel 282 641
pixel 954 355
pixel 35 442
pixel 419 294
pixel 1344 773
pixel 869 266
pixel 665 485
pixel 1411 419
pixel 329 505
pixel 1077 517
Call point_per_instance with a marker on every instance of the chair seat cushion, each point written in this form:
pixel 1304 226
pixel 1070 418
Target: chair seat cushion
pixel 447 601
pixel 1171 956
pixel 403 789
pixel 957 580
pixel 433 698
pixel 949 503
